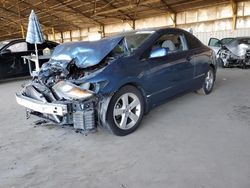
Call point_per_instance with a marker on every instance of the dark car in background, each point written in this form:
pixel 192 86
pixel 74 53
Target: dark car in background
pixel 11 52
pixel 232 52
pixel 113 82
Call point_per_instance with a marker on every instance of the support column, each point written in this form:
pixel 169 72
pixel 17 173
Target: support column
pixel 234 10
pixel 70 35
pixel 80 35
pixel 102 31
pixel 53 33
pixel 173 18
pixel 22 29
pixel 62 37
pixel 133 24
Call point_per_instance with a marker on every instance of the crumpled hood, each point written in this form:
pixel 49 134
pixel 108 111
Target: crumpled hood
pixel 237 49
pixel 85 54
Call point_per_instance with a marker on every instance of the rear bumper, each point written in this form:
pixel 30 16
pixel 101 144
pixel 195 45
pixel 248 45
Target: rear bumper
pixel 38 106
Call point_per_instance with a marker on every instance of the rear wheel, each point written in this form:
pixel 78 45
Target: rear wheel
pixel 208 83
pixel 125 111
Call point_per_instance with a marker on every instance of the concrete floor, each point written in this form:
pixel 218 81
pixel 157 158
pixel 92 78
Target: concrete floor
pixel 194 141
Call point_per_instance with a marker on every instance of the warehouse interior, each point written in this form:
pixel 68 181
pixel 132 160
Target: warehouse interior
pixel 64 21
pixel 193 141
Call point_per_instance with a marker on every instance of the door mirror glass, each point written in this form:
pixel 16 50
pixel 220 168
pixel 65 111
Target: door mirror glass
pixel 214 42
pixel 158 52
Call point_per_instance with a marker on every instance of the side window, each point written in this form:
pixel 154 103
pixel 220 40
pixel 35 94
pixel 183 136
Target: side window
pixel 31 47
pixel 168 44
pixel 18 47
pixel 46 44
pixel 192 42
pixel 51 45
pixel 41 46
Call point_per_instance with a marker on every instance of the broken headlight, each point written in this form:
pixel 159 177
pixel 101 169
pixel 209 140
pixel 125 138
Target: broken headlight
pixel 68 90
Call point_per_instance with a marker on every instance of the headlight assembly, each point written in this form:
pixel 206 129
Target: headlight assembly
pixel 68 90
pixel 96 86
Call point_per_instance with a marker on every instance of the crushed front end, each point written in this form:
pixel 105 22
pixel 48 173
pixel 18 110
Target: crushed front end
pixel 65 90
pixel 238 55
pixel 228 59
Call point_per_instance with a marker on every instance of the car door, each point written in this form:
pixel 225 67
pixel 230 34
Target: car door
pixel 214 44
pixel 11 60
pixel 170 72
pixel 201 57
pixel 6 60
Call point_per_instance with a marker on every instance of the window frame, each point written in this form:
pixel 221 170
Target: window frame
pixel 191 36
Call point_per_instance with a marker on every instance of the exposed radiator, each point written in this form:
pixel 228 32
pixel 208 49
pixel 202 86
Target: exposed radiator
pixel 84 116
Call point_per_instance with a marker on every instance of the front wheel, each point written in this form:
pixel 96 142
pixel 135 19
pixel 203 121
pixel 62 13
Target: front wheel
pixel 208 84
pixel 125 111
pixel 221 63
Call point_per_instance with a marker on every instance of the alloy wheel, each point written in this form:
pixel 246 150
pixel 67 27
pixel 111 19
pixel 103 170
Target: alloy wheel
pixel 127 111
pixel 209 80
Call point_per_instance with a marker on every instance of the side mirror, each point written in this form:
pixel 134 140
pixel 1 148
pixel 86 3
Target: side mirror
pixel 6 51
pixel 158 52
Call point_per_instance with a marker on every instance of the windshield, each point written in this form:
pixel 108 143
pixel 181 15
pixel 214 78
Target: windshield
pixel 244 41
pixel 134 41
pixel 226 40
pixel 238 41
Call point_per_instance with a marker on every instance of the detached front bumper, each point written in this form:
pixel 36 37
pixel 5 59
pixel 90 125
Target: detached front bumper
pixel 38 106
pixel 79 114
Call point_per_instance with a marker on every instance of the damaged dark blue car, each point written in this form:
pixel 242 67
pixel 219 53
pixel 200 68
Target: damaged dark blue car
pixel 113 82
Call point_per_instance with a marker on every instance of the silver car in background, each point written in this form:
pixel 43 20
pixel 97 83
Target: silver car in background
pixel 232 52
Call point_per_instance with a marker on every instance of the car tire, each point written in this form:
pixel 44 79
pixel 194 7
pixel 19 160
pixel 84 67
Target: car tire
pixel 221 63
pixel 208 84
pixel 243 66
pixel 125 111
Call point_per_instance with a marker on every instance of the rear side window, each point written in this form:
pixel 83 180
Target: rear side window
pixel 18 47
pixel 51 44
pixel 192 42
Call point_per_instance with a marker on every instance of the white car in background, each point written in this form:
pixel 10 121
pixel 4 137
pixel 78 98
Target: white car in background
pixel 217 44
pixel 232 52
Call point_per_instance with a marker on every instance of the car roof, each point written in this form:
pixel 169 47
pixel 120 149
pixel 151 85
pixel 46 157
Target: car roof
pixel 242 37
pixel 148 30
pixel 12 40
pixel 21 39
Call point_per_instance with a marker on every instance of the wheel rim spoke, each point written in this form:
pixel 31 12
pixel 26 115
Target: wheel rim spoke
pixel 209 80
pixel 131 124
pixel 118 111
pixel 133 117
pixel 124 121
pixel 125 100
pixel 133 104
